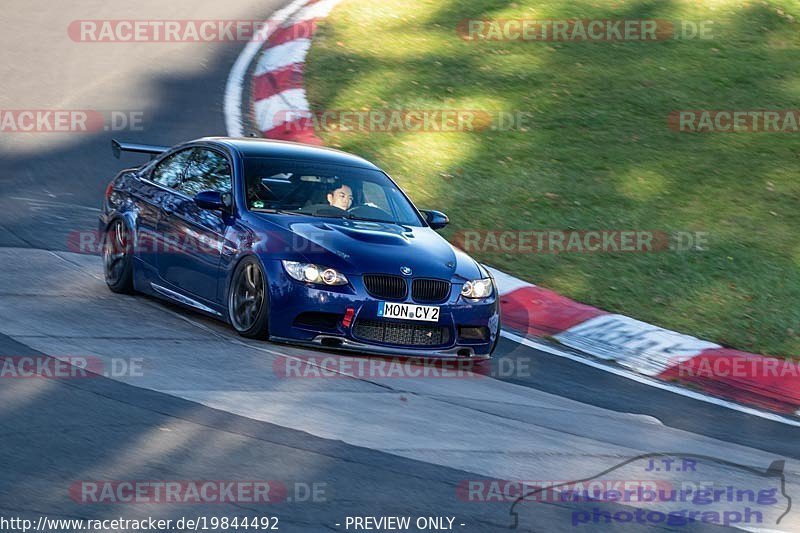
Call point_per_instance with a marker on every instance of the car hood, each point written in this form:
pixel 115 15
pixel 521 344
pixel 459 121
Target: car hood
pixel 359 247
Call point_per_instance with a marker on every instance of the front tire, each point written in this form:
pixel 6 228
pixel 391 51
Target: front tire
pixel 118 258
pixel 248 302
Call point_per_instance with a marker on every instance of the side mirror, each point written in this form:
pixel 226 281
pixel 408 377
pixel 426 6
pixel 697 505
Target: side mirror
pixel 211 200
pixel 435 219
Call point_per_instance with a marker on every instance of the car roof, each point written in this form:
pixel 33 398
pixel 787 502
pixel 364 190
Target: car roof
pixel 255 147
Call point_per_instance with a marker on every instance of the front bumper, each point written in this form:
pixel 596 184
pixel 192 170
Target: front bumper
pixel 340 343
pixel 290 299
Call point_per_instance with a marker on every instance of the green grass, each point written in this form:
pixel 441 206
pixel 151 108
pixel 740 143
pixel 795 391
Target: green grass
pixel 597 153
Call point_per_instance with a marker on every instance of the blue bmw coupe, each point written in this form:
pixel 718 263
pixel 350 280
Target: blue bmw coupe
pixel 295 244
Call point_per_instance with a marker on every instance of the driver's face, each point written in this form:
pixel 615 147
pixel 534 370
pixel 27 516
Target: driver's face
pixel 341 197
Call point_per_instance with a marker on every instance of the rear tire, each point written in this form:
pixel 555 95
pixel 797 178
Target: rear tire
pixel 248 301
pixel 118 258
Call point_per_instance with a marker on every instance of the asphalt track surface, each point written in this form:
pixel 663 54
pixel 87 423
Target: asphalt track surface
pixel 208 405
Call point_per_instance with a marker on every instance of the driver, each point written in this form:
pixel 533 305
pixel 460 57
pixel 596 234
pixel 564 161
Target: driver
pixel 341 197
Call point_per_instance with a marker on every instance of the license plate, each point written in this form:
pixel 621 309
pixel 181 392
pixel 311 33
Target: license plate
pixel 427 313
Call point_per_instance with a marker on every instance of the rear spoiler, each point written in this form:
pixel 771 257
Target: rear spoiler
pixel 118 147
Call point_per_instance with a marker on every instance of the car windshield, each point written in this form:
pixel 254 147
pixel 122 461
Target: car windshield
pixel 321 190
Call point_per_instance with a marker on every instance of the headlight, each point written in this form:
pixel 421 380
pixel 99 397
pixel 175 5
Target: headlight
pixel 311 273
pixel 477 288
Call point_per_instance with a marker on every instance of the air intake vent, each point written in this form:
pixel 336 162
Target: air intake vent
pixel 388 287
pixel 317 320
pixel 401 334
pixel 430 290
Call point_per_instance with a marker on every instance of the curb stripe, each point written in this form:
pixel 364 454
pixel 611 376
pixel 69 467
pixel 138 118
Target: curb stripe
pixel 634 344
pixel 768 382
pixel 280 108
pixel 277 81
pixel 658 384
pixel 282 56
pixel 539 311
pixel 234 85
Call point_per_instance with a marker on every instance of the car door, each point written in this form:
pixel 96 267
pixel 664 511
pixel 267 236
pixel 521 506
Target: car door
pixel 198 233
pixel 157 185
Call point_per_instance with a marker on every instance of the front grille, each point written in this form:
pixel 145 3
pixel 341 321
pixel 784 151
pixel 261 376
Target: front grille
pixel 383 286
pixel 430 290
pixel 402 334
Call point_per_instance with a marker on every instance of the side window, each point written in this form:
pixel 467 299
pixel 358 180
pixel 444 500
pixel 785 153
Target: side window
pixel 169 171
pixel 208 171
pixel 375 196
